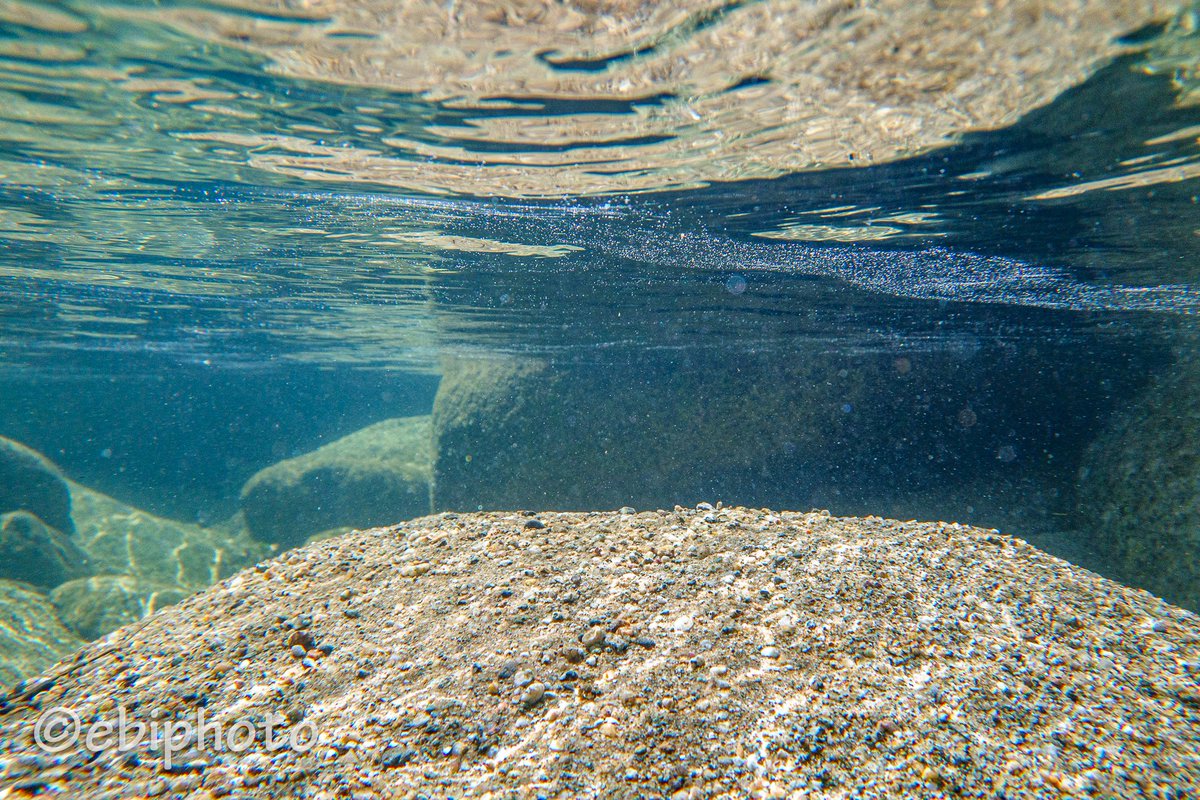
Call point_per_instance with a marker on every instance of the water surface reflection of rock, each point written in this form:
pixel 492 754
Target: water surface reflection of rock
pixel 537 99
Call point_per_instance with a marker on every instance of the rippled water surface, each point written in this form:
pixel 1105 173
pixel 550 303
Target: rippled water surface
pixel 352 183
pixel 963 243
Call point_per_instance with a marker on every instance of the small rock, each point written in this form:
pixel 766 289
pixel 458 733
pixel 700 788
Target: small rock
pixel 594 637
pixel 536 524
pixel 770 652
pixel 533 694
pixel 301 638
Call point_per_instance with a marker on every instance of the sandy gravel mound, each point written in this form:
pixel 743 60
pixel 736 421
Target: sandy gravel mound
pixel 687 653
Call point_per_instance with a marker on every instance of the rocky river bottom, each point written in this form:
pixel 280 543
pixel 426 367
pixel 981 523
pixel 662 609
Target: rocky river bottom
pixel 686 653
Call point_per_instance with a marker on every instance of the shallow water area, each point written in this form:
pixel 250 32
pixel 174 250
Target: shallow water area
pixel 275 271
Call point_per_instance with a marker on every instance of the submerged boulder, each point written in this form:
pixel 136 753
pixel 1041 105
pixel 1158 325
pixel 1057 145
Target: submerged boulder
pixel 713 652
pixel 93 607
pixel 375 476
pixel 35 553
pixel 29 482
pixel 534 434
pixel 1139 486
pixel 817 428
pixel 31 635
pixel 122 540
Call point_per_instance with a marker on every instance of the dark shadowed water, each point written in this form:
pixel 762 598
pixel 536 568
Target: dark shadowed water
pixel 228 240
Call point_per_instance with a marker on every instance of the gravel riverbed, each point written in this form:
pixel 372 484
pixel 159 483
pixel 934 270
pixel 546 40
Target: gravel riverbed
pixel 690 653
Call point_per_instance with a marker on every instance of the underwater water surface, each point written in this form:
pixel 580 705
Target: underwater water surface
pixel 915 263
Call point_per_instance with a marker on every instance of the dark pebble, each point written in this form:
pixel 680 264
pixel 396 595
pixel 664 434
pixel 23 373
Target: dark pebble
pixel 302 639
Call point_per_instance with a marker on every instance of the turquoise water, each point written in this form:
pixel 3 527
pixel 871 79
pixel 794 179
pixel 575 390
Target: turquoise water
pixel 622 260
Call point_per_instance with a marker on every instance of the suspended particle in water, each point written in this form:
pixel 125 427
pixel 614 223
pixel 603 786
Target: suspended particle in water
pixel 1007 454
pixel 735 284
pixel 902 365
pixel 847 408
pixel 967 417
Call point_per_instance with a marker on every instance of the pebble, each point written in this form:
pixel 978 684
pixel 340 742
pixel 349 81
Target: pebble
pixel 301 638
pixel 593 637
pixel 533 694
